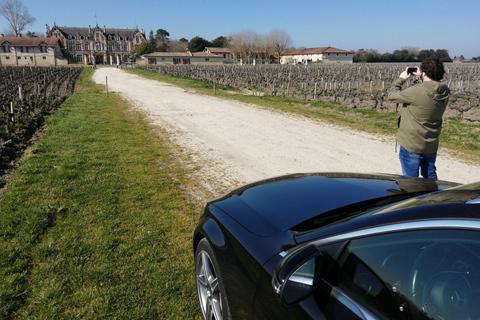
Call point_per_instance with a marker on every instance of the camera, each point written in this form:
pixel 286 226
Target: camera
pixel 411 70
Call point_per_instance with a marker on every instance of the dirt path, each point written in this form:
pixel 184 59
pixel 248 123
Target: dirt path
pixel 231 143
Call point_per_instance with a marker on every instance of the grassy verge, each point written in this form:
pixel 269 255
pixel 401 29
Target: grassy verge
pixel 93 225
pixel 463 139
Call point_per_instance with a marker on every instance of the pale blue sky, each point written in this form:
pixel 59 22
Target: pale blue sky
pixel 383 25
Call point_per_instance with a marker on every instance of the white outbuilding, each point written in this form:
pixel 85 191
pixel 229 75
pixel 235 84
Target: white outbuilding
pixel 314 55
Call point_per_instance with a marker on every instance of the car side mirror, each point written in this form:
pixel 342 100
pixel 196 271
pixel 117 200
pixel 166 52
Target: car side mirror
pixel 295 276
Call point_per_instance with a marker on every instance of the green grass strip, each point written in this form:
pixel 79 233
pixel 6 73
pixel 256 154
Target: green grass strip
pixel 93 225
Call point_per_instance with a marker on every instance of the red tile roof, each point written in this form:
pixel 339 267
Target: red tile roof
pixel 205 54
pixel 321 50
pixel 182 54
pixel 19 41
pixel 168 54
pixel 217 50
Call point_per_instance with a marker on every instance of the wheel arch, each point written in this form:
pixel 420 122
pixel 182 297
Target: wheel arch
pixel 212 231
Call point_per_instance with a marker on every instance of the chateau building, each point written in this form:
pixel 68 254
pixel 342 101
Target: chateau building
pixel 96 45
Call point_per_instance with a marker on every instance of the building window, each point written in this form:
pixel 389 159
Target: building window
pixel 207 59
pixel 43 49
pixel 125 48
pixel 79 47
pixel 137 39
pixel 70 47
pixel 97 36
pixel 87 46
pixel 44 58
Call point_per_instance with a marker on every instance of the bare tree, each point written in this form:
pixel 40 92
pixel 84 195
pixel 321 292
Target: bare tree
pixel 16 14
pixel 278 41
pixel 245 44
pixel 178 45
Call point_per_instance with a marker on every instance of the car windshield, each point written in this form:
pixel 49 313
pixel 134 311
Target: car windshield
pixel 423 274
pixel 339 215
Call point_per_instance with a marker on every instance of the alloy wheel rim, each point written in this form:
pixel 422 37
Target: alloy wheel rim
pixel 208 288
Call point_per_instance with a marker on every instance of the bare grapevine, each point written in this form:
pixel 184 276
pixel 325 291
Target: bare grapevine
pixel 362 85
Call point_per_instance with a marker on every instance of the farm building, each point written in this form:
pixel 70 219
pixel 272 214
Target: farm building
pixel 237 57
pixel 312 55
pixel 97 45
pixel 181 58
pixel 224 52
pixel 17 51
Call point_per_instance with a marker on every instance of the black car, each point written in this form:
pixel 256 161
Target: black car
pixel 341 246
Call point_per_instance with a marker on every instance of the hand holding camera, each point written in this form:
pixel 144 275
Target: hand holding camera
pixel 409 71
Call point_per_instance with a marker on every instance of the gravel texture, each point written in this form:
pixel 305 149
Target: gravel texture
pixel 228 143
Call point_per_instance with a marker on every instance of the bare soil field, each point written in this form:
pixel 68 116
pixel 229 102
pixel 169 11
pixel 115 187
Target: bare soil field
pixel 227 143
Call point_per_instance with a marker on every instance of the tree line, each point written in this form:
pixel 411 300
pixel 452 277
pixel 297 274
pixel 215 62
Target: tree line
pixel 244 44
pixel 402 55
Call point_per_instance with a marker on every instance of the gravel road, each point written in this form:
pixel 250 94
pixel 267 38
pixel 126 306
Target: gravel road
pixel 230 143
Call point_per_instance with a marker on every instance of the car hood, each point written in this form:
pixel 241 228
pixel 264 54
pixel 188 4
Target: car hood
pixel 278 204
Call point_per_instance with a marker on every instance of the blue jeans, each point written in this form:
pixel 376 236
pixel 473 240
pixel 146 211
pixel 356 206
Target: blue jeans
pixel 412 161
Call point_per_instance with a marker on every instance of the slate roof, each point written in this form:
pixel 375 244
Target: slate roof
pixel 88 31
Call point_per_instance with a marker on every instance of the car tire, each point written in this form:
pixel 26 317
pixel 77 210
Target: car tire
pixel 210 288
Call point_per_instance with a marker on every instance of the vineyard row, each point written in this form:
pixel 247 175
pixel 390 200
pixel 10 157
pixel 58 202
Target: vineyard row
pixel 354 85
pixel 27 96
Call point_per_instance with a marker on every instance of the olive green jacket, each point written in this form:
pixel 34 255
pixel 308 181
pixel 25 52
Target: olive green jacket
pixel 421 117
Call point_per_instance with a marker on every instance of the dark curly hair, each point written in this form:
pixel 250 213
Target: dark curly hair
pixel 433 67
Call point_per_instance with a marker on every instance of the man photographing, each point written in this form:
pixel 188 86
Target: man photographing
pixel 420 121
